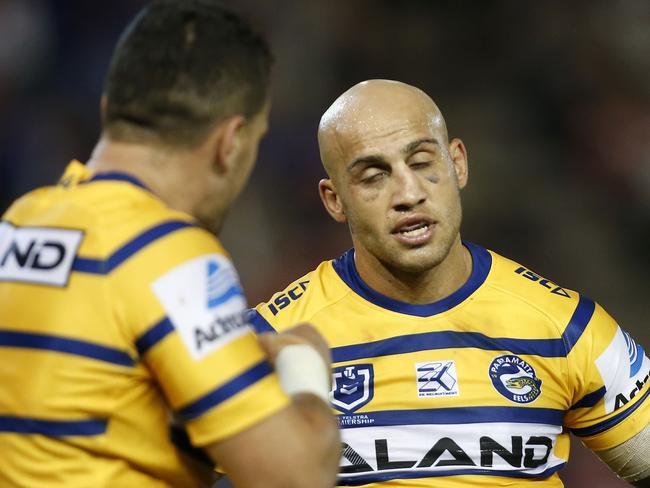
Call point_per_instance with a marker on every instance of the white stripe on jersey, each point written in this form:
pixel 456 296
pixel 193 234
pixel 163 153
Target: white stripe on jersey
pixel 527 449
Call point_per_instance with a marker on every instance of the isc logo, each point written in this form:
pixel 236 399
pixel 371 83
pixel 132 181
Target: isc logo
pixel 552 287
pixel 37 254
pixel 284 299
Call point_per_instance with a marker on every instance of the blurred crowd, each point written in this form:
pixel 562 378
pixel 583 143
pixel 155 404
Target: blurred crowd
pixel 551 98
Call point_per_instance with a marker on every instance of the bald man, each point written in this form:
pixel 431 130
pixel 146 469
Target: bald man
pixel 453 366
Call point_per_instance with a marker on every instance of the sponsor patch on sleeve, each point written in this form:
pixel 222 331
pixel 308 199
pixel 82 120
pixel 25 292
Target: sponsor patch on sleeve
pixel 39 255
pixel 624 368
pixel 205 302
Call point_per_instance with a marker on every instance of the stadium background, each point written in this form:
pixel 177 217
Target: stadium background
pixel 551 98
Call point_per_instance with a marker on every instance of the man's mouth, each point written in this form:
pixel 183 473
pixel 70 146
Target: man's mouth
pixel 414 231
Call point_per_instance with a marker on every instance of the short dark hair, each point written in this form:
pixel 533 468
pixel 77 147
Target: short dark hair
pixel 179 68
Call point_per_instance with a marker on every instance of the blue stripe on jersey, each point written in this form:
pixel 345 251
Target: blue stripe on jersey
pixel 460 415
pixel 446 340
pixel 154 335
pixel 414 473
pixel 258 322
pixel 590 399
pixel 66 345
pixel 94 266
pixel 611 422
pixel 233 291
pixel 451 339
pixel 481 260
pixel 99 266
pixel 54 428
pixel 117 176
pixel 224 392
pixel 581 317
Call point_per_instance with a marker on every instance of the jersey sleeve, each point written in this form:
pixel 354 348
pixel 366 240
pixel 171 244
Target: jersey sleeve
pixel 608 373
pixel 285 308
pixel 184 307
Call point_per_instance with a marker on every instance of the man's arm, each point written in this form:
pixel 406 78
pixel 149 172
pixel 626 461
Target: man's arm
pixel 300 445
pixel 297 447
pixel 214 370
pixel 611 405
pixel 631 459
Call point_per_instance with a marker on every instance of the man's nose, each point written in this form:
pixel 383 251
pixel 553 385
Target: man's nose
pixel 409 191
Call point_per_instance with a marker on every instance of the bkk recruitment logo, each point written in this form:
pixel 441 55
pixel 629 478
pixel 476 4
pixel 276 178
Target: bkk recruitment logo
pixel 515 379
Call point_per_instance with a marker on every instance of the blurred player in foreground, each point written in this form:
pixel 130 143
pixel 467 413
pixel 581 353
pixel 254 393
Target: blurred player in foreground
pixel 118 306
pixel 454 366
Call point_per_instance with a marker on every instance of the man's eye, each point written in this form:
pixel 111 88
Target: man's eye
pixel 373 177
pixel 420 164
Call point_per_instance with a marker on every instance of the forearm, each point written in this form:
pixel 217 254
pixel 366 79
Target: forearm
pixel 298 447
pixel 326 435
pixel 304 374
pixel 631 460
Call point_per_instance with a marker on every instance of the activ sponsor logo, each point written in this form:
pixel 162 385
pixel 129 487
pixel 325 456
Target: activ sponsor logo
pixel 635 353
pixel 624 369
pixel 623 398
pixel 203 299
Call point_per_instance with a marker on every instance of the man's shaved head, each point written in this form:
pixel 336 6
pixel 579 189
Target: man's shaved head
pixel 373 106
pixel 394 178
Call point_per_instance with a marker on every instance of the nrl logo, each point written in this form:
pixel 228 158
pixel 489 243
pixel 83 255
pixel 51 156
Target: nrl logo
pixel 352 387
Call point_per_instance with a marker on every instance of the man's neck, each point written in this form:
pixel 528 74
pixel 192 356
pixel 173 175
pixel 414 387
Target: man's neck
pixel 426 287
pixel 155 168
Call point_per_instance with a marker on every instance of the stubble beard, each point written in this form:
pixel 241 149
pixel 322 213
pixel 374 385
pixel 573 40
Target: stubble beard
pixel 418 261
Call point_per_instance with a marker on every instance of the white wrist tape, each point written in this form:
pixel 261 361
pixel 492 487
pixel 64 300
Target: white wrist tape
pixel 630 460
pixel 302 370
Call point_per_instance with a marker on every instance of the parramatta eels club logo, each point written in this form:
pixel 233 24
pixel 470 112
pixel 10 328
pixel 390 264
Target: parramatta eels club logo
pixel 515 379
pixel 352 387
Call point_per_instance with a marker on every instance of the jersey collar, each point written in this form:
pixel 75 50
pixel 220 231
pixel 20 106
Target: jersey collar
pixel 117 176
pixel 481 264
pixel 77 173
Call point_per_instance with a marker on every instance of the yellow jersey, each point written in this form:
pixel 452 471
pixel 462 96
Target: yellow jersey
pixel 118 318
pixel 479 389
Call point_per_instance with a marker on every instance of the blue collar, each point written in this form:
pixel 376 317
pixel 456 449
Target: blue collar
pixel 117 176
pixel 481 264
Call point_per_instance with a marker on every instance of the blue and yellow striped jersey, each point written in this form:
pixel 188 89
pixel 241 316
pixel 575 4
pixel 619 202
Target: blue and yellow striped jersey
pixel 478 389
pixel 118 316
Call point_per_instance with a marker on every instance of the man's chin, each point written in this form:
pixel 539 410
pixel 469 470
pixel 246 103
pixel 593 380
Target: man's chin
pixel 413 264
pixel 416 261
pixel 416 268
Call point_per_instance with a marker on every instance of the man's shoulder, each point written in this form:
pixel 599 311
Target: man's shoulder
pixel 301 299
pixel 121 213
pixel 117 224
pixel 547 309
pixel 521 286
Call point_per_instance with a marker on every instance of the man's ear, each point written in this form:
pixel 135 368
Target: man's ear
pixel 226 142
pixel 331 200
pixel 458 154
pixel 103 103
